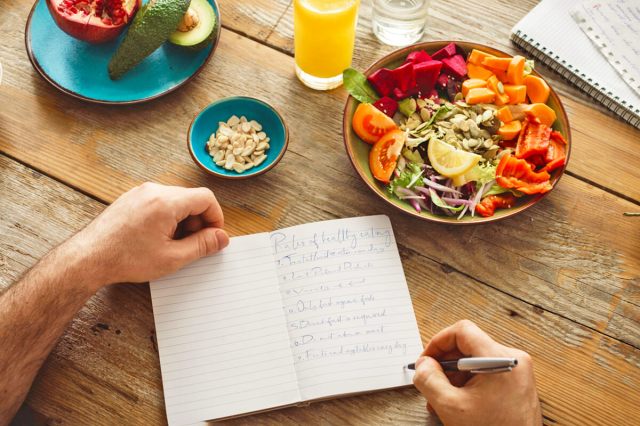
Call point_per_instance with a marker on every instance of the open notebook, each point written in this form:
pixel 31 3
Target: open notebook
pixel 304 313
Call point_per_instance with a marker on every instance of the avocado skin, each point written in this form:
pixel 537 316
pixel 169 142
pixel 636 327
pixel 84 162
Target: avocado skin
pixel 150 28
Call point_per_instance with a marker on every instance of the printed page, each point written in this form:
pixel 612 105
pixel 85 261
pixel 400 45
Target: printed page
pixel 222 338
pixel 349 314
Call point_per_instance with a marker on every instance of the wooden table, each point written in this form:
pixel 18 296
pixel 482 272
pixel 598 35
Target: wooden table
pixel 560 280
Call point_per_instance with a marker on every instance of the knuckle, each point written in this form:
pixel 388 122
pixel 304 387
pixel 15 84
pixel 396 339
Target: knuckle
pixel 146 185
pixel 466 324
pixel 419 377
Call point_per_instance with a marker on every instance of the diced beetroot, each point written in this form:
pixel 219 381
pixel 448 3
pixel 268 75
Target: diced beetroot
pixel 405 78
pixel 442 81
pixel 446 52
pixel 418 57
pixel 433 94
pixel 383 81
pixel 386 105
pixel 399 94
pixel 426 74
pixel 455 66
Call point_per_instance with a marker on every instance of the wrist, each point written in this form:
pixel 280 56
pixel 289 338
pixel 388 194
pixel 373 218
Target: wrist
pixel 82 264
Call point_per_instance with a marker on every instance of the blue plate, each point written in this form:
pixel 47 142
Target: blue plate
pixel 80 69
pixel 207 121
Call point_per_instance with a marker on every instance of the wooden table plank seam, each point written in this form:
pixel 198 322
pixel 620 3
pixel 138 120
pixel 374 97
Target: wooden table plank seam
pixel 448 269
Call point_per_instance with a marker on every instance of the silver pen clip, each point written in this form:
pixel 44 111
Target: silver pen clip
pixel 492 370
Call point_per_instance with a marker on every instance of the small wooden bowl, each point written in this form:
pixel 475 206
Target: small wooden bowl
pixel 358 150
pixel 206 123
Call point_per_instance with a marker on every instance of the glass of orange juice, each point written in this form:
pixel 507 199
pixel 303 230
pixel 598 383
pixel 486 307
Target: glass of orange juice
pixel 324 34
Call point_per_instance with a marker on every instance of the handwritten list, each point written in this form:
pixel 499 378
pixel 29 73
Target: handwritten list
pixel 306 312
pixel 349 313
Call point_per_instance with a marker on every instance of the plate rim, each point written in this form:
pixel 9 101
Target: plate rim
pixel 50 80
pixel 446 219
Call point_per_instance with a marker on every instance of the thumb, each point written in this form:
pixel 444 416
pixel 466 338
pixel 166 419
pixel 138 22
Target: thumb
pixel 202 243
pixel 433 383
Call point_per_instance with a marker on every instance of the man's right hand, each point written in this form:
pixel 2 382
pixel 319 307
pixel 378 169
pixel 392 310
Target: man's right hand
pixel 482 399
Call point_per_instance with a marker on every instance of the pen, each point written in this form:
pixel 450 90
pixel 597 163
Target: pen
pixel 479 365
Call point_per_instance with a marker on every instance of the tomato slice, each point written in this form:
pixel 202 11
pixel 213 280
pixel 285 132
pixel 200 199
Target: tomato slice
pixel 384 155
pixel 370 123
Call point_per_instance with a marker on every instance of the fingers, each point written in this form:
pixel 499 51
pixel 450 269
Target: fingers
pixel 463 336
pixel 199 244
pixel 192 224
pixel 433 383
pixel 197 202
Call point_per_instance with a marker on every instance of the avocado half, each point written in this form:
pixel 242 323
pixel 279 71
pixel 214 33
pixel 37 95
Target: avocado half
pixel 197 29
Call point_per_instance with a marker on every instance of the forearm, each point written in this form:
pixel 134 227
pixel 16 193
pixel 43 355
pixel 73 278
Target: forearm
pixel 33 314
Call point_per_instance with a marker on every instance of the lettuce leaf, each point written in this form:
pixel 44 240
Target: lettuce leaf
pixel 410 176
pixel 357 85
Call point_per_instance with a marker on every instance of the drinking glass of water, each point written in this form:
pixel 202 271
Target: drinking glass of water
pixel 399 22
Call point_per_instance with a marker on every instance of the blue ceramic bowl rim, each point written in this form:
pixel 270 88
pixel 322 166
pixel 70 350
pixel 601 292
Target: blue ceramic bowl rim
pixel 242 175
pixel 46 77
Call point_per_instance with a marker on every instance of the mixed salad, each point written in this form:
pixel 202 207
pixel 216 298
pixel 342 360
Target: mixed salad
pixel 458 135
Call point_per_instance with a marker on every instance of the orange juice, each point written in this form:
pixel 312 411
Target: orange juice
pixel 324 33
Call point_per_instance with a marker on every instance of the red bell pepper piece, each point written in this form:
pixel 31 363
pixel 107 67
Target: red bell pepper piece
pixel 518 174
pixel 488 205
pixel 534 139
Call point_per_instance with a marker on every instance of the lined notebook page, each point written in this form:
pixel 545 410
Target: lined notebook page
pixel 222 338
pixel 349 314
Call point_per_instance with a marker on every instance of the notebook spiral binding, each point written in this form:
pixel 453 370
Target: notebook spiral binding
pixel 629 113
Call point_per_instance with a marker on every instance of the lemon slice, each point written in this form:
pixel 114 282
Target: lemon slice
pixel 469 176
pixel 450 161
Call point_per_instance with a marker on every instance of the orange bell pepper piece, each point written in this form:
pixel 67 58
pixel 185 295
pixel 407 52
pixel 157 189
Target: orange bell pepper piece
pixel 534 139
pixel 518 174
pixel 488 205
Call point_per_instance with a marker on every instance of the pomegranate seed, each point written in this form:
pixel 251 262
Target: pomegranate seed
pixel 107 21
pixel 73 10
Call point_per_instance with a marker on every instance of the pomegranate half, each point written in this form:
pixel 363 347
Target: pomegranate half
pixel 93 21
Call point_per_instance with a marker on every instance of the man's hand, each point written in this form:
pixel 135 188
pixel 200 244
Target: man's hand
pixel 151 231
pixel 461 398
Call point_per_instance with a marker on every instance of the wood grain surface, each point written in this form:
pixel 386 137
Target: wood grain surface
pixel 561 280
pixel 106 366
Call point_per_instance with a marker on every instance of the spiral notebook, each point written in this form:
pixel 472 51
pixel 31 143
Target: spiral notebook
pixel 276 319
pixel 550 34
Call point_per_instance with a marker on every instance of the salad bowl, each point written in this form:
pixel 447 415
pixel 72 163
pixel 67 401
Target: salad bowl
pixel 358 151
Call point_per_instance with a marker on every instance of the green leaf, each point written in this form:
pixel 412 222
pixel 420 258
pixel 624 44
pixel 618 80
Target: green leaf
pixel 409 177
pixel 357 85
